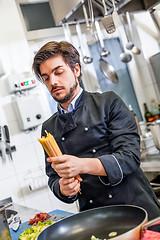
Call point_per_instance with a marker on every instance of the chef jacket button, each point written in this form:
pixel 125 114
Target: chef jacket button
pixel 94 150
pixel 86 129
pixel 110 195
pixel 91 201
pixel 63 138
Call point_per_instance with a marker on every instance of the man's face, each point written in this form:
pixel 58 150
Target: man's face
pixel 60 80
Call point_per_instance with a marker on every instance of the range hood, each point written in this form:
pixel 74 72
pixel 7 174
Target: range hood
pixel 71 10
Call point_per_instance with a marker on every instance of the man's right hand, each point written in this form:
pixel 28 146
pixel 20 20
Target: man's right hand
pixel 70 186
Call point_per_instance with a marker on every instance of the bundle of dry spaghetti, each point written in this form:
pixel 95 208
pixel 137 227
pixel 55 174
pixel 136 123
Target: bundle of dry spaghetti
pixel 50 145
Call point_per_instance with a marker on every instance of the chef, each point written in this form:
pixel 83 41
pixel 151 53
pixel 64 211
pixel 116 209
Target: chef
pixel 97 135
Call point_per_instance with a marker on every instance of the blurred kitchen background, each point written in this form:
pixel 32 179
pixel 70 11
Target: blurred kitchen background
pixel 123 57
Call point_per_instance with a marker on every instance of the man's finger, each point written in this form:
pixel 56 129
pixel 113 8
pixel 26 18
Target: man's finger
pixel 56 160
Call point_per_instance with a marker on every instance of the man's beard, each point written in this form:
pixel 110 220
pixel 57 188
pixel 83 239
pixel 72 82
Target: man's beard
pixel 69 96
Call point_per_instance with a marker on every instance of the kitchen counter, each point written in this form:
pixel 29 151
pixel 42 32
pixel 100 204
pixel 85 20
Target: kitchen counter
pixel 26 213
pixel 151 163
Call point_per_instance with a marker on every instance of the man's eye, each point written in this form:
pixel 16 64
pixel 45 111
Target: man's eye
pixel 45 79
pixel 58 72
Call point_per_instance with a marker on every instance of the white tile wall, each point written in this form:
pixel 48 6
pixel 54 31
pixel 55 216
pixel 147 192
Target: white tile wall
pixel 28 157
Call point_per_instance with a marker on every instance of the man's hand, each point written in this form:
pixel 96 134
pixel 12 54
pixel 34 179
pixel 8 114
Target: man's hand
pixel 70 186
pixel 66 166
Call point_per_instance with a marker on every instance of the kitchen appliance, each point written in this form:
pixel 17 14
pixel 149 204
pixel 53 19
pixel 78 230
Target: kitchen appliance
pixel 73 10
pixel 29 111
pixel 35 26
pixel 21 82
pixel 127 221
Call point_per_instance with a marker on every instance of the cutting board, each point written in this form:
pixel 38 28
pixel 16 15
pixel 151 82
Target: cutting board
pixel 59 214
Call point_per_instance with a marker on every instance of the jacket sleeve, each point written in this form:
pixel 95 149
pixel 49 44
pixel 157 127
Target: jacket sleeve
pixel 124 141
pixel 53 179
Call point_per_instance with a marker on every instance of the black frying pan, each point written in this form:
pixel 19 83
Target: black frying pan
pixel 123 219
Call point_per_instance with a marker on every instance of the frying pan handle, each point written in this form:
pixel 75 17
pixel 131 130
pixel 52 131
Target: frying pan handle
pixel 153 222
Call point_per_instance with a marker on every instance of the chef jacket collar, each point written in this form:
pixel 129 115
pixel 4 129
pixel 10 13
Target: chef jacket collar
pixel 72 104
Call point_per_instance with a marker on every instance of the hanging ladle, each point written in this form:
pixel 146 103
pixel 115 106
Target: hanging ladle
pixel 104 52
pixel 135 50
pixel 129 45
pixel 107 69
pixel 124 56
pixel 86 59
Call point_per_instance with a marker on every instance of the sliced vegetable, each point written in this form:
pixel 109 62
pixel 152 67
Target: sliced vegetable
pixel 33 232
pixel 112 234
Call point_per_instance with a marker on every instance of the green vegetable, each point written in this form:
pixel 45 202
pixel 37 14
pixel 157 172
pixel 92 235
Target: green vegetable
pixel 33 232
pixel 94 238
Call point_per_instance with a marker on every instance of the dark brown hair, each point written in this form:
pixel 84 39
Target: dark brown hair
pixel 65 49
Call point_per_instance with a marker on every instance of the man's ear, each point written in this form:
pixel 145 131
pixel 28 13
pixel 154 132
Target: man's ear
pixel 77 70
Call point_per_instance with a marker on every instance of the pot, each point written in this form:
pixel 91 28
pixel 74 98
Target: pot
pixel 126 220
pixel 4 228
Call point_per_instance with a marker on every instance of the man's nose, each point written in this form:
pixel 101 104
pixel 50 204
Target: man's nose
pixel 53 79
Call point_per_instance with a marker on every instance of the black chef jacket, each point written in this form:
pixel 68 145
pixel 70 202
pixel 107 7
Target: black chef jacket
pixel 101 126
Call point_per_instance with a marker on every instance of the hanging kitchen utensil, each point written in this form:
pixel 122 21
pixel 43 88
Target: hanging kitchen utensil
pixel 90 35
pixel 129 45
pixel 107 69
pixel 104 52
pixel 66 33
pixel 2 146
pixel 6 129
pixel 135 50
pixel 107 21
pixel 86 59
pixel 124 56
pixel 115 16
